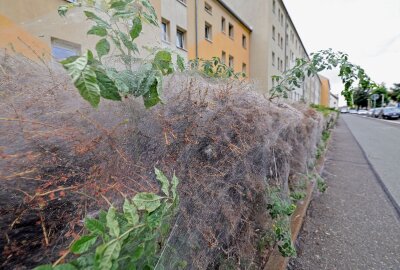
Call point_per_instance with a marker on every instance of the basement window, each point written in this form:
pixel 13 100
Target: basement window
pixel 62 49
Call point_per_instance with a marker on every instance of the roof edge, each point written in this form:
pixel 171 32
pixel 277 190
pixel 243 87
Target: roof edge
pixel 235 15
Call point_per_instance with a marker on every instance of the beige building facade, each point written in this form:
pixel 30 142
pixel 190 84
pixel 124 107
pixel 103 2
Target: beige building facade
pixel 277 45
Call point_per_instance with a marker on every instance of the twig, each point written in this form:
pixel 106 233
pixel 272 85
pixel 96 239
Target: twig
pixel 46 239
pixel 61 258
pixel 26 121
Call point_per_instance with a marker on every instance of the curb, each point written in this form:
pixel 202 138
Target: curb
pixel 276 261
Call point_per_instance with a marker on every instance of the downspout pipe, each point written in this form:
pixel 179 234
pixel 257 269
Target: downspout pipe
pixel 196 29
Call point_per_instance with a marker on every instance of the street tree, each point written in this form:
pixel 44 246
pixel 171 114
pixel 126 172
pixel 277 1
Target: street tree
pixel 395 92
pixel 360 97
pixel 381 90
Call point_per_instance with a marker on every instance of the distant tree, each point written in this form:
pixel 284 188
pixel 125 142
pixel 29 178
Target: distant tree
pixel 360 97
pixel 381 90
pixel 395 92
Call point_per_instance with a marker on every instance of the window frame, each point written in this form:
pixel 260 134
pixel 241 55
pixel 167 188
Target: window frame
pixel 244 41
pixel 231 31
pixel 75 49
pixel 231 62
pixel 209 36
pixel 223 24
pixel 165 36
pixel 183 35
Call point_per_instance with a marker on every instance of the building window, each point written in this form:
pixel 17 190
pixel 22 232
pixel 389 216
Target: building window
pixel 180 39
pixel 282 19
pixel 182 1
pixel 223 57
pixel 244 68
pixel 279 63
pixel 273 59
pixel 223 25
pixel 244 41
pixel 208 31
pixel 279 40
pixel 165 30
pixel 62 49
pixel 273 32
pixel 286 62
pixel 231 31
pixel 273 6
pixel 207 7
pixel 231 62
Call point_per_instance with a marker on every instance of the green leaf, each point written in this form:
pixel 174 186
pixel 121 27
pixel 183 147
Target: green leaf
pixel 65 267
pixel 110 254
pixel 95 226
pixel 63 9
pixel 163 62
pixel 127 42
pixel 108 88
pixel 44 267
pixel 130 213
pixel 175 182
pixel 137 253
pixel 84 78
pixel 147 201
pixel 100 22
pixel 180 62
pixel 75 66
pixel 152 97
pixel 98 31
pixel 119 5
pixel 163 180
pixel 102 47
pixel 136 28
pixel 87 86
pixel 112 222
pixel 83 244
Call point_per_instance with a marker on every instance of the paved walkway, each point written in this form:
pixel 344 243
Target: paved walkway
pixel 353 225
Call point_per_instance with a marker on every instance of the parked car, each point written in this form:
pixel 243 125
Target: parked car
pixel 362 112
pixel 371 113
pixel 390 113
pixel 353 111
pixel 344 110
pixel 377 112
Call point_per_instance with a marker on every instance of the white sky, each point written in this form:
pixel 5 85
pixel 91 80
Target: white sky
pixel 367 30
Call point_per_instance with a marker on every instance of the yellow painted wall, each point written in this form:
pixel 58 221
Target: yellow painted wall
pixel 325 91
pixel 220 41
pixel 15 39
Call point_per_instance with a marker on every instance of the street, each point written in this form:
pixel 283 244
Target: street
pixel 380 141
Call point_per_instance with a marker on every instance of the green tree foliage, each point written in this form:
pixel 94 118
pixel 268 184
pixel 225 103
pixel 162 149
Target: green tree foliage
pixel 117 24
pixel 395 92
pixel 215 68
pixel 128 239
pixel 350 74
pixel 381 90
pixel 361 97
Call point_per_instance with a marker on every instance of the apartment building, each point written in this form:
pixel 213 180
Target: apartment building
pixel 257 37
pixel 217 30
pixel 325 91
pixel 277 45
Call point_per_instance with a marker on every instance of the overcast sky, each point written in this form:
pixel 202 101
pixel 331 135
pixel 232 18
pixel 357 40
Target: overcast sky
pixel 367 30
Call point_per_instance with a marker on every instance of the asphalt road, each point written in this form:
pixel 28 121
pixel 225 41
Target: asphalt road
pixel 380 141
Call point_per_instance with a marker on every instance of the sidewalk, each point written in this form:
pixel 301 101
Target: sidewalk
pixel 353 225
